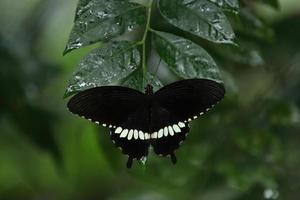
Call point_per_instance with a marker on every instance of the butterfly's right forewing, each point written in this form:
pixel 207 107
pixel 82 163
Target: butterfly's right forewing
pixel 188 99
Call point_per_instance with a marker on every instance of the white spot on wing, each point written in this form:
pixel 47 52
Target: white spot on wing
pixel 154 135
pixel 171 130
pixel 118 130
pixel 195 117
pixel 97 122
pixel 130 134
pixel 147 136
pixel 136 134
pixel 166 131
pixel 104 125
pixel 141 135
pixel 181 124
pixel 124 133
pixel 160 133
pixel 189 119
pixel 201 113
pixel 176 128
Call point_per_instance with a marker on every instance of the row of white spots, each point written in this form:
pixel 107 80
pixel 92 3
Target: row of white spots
pixel 105 125
pixel 195 117
pixel 136 134
pixel 201 113
pixel 168 130
pixel 185 121
pixel 132 134
pixel 111 126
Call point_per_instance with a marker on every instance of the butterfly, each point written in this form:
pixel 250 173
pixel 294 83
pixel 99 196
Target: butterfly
pixel 139 120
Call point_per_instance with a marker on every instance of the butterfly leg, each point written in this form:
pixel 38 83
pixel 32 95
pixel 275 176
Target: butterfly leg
pixel 173 158
pixel 129 162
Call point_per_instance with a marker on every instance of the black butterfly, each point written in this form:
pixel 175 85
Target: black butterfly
pixel 137 120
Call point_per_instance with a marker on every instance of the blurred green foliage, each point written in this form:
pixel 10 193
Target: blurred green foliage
pixel 246 148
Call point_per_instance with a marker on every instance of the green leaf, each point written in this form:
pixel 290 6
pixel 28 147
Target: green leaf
pixel 80 6
pixel 97 20
pixel 108 65
pixel 229 5
pixel 201 18
pixel 185 58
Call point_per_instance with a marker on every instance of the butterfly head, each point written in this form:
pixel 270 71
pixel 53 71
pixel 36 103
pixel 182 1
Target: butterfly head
pixel 149 89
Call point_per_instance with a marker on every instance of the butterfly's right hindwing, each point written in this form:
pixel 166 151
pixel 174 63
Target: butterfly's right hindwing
pixel 175 105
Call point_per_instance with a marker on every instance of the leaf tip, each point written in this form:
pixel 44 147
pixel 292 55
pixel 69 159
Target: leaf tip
pixel 67 50
pixel 69 92
pixel 66 95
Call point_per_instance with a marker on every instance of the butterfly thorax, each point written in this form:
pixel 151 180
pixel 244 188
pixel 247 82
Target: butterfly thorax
pixel 149 89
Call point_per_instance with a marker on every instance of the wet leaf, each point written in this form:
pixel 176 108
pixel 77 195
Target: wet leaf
pixel 202 18
pixel 80 6
pixel 185 58
pixel 229 5
pixel 108 65
pixel 103 20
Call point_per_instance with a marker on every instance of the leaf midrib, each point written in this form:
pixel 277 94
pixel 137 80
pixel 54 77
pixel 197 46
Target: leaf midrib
pixel 187 56
pixel 116 54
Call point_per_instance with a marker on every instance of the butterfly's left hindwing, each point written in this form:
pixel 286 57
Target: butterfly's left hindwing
pixel 123 110
pixel 132 144
pixel 133 135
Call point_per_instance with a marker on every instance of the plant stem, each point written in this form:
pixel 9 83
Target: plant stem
pixel 143 41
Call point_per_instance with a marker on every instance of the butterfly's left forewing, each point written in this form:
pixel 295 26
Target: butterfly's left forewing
pixel 108 105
